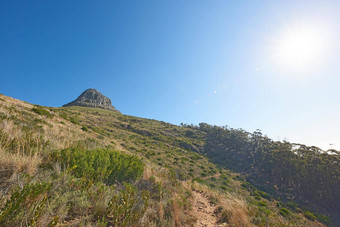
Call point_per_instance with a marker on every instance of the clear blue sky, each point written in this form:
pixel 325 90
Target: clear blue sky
pixel 181 61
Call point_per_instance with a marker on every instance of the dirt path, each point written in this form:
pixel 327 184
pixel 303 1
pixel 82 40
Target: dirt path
pixel 203 210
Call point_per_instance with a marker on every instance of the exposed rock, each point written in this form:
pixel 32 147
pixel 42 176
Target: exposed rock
pixel 93 98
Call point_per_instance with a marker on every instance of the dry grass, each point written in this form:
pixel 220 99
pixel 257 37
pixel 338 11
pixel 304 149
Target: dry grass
pixel 11 165
pixel 19 163
pixel 20 122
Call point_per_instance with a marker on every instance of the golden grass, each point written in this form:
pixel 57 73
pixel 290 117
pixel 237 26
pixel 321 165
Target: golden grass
pixel 19 163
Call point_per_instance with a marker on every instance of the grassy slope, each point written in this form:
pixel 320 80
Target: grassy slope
pixel 29 133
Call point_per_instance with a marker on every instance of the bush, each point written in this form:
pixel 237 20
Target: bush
pixel 84 128
pixel 261 203
pixel 199 180
pixel 74 120
pixel 309 215
pixel 292 206
pixel 31 200
pixel 323 218
pixel 284 211
pixel 263 195
pixel 101 165
pixel 41 111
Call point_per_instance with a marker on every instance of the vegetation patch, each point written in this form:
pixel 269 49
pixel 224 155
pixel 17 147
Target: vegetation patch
pixel 127 207
pixel 284 211
pixel 101 164
pixel 84 128
pixel 309 215
pixel 41 111
pixel 29 201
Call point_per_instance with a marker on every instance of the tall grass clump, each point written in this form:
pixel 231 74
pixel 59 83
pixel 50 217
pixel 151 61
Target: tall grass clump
pixel 127 207
pixel 19 163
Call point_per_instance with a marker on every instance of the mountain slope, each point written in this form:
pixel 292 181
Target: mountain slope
pixel 306 175
pixel 175 168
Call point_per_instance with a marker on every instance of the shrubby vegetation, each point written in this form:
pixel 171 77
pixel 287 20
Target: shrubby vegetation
pixel 35 202
pixel 127 207
pixel 101 165
pixel 41 111
pixel 28 201
pixel 281 168
pixel 67 170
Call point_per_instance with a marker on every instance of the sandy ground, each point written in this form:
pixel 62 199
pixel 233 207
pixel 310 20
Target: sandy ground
pixel 203 210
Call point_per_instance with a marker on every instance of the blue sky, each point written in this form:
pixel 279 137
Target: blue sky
pixel 180 61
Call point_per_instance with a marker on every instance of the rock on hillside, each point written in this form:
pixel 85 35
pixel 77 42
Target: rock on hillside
pixel 93 98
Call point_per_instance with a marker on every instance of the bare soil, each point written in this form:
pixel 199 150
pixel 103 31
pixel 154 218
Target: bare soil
pixel 203 210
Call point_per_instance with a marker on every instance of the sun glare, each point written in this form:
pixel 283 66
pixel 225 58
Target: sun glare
pixel 300 48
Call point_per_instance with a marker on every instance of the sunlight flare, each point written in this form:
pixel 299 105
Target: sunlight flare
pixel 300 47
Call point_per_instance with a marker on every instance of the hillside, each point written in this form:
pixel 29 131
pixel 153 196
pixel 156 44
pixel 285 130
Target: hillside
pixel 89 166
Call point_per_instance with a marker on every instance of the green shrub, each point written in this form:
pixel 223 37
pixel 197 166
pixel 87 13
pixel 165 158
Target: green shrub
pixel 41 111
pixel 291 205
pixel 284 211
pixel 74 120
pixel 264 211
pixel 309 215
pixel 246 185
pixel 258 197
pixel 101 165
pixel 261 203
pixel 84 128
pixel 30 200
pixel 263 195
pixel 223 176
pixel 323 218
pixel 199 180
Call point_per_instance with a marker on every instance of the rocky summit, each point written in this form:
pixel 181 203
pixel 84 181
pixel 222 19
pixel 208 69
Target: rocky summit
pixel 93 98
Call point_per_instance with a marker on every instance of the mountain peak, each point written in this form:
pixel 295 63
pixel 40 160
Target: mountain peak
pixel 93 98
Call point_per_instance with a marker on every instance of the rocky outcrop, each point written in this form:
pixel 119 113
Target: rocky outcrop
pixel 93 98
